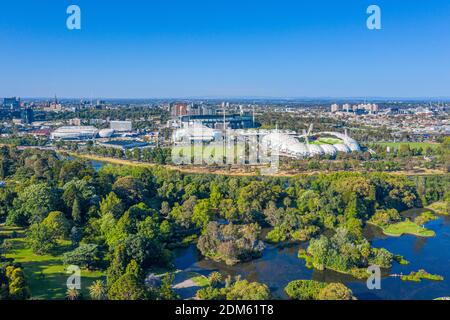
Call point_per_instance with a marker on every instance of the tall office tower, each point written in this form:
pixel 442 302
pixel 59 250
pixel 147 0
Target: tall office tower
pixel 27 116
pixel 11 103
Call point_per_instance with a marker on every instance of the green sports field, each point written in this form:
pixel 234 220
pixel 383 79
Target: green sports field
pixel 210 153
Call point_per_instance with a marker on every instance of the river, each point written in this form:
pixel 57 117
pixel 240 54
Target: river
pixel 279 265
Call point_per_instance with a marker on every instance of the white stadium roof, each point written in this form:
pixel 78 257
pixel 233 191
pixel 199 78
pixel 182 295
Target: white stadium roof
pixel 290 146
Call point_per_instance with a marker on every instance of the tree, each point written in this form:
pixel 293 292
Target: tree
pixel 182 215
pixel 76 235
pixel 33 204
pixel 130 190
pixel 41 238
pixel 57 222
pixel 117 265
pixel 244 290
pixel 73 294
pixel 202 214
pixel 129 286
pixel 253 198
pixel 76 212
pixel 86 255
pixel 336 291
pixel 165 291
pixel 112 204
pixel 79 190
pixel 98 291
pixel 231 243
pixel 18 289
pixel 75 169
pixel 304 289
pixel 215 279
pixel 165 209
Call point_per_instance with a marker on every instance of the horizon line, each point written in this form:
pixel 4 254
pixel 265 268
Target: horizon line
pixel 383 98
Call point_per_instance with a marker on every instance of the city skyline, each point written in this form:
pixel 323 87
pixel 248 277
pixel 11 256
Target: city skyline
pixel 200 50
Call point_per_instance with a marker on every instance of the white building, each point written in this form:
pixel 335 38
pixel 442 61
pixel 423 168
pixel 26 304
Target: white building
pixel 290 146
pixel 196 132
pixel 74 133
pixel 121 126
pixel 334 108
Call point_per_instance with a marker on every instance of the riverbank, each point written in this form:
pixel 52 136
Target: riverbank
pixel 439 207
pixel 238 171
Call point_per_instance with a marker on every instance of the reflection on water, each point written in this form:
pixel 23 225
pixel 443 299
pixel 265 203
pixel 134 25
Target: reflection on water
pixel 279 265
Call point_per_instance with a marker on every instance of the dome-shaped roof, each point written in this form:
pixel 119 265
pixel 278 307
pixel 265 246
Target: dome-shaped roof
pixel 106 133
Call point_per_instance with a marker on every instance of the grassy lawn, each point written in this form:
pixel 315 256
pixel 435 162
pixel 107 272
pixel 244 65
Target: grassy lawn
pixel 200 280
pixel 209 152
pixel 407 227
pixel 6 232
pixel 413 145
pixel 439 207
pixel 45 274
pixel 327 141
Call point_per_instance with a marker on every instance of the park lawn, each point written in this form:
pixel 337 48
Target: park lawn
pixel 414 145
pixel 439 207
pixel 7 232
pixel 328 141
pixel 200 280
pixel 213 152
pixel 407 227
pixel 45 274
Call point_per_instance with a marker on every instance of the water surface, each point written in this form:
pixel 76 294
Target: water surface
pixel 279 265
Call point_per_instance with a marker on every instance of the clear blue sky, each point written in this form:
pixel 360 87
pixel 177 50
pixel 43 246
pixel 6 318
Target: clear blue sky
pixel 217 48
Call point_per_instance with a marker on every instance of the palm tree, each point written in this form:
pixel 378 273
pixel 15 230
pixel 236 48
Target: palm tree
pixel 98 290
pixel 73 294
pixel 215 279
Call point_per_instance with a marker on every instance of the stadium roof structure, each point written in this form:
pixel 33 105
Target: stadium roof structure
pixel 290 146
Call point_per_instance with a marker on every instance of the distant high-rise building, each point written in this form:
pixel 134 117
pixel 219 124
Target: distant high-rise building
pixel 11 103
pixel 334 108
pixel 179 109
pixel 27 116
pixel 208 111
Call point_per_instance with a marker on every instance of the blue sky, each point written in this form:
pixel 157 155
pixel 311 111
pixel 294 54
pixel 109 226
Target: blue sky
pixel 225 48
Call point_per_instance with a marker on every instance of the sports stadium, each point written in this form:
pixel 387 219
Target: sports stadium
pixel 285 143
pixel 307 146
